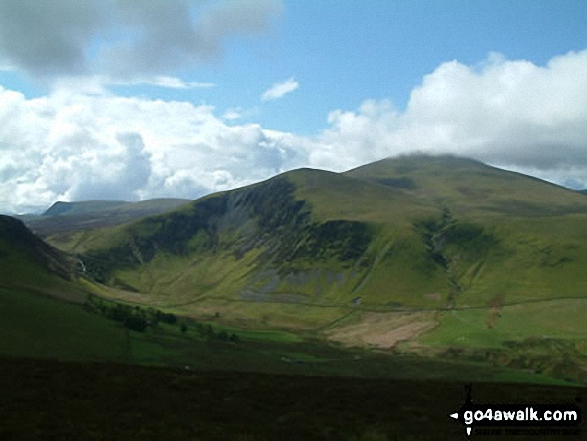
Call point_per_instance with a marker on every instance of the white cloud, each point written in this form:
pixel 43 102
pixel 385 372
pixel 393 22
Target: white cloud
pixel 99 84
pixel 509 113
pixel 163 81
pixel 232 114
pixel 71 147
pixel 279 89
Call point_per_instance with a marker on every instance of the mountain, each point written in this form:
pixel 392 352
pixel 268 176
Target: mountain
pixel 440 256
pixel 471 188
pixel 583 191
pixel 48 309
pixel 309 247
pixel 60 207
pixel 63 218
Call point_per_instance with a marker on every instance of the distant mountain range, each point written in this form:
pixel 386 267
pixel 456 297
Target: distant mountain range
pixel 65 217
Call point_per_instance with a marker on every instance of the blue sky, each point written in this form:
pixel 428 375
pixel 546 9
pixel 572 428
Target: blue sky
pixel 359 80
pixel 343 52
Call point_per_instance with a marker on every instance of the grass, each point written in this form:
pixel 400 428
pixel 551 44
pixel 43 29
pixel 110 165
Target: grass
pixel 38 326
pixel 271 256
pixel 469 327
pixel 527 254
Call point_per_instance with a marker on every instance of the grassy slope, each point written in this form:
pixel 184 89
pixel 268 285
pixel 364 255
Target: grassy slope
pixel 34 323
pixel 540 250
pixel 471 188
pixel 41 331
pixel 538 233
pixel 26 261
pixel 219 275
pixel 439 232
pixel 539 230
pixel 34 318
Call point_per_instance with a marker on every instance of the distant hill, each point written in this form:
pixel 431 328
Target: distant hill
pixel 67 217
pixel 60 208
pixel 583 191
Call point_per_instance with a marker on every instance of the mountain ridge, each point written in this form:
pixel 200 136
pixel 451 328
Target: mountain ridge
pixel 434 263
pixel 324 239
pixel 67 217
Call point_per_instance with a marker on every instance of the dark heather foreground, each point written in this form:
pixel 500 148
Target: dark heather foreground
pixel 52 400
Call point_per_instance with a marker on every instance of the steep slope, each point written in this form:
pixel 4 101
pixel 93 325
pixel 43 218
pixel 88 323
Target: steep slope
pixel 44 308
pixel 306 238
pixel 504 237
pixel 40 302
pixel 308 247
pixel 26 259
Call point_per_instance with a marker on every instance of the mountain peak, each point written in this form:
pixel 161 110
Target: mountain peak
pixel 61 207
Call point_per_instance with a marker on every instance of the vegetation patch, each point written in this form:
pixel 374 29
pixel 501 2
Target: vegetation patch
pixel 401 182
pixel 55 400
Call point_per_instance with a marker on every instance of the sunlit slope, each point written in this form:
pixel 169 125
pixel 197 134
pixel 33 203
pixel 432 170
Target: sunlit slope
pixel 414 232
pixel 504 237
pixel 307 237
pixel 472 189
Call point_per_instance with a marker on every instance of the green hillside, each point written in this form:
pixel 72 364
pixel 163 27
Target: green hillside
pixel 414 232
pixel 27 261
pixel 48 310
pixel 40 302
pixel 471 189
pixel 446 252
pixel 396 255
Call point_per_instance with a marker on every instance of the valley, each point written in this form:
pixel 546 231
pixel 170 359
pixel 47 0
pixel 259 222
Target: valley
pixel 390 272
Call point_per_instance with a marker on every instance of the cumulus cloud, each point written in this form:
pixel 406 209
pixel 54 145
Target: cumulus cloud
pixel 510 113
pixel 74 147
pixel 123 38
pixel 279 89
pixel 232 114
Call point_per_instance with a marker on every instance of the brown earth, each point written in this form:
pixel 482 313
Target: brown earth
pixel 382 330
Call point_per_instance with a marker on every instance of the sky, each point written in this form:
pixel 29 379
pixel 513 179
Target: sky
pixel 129 99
